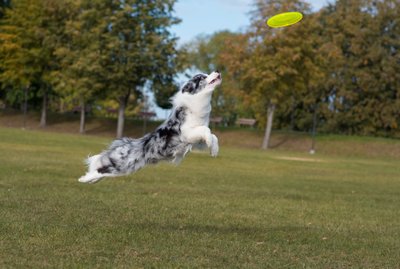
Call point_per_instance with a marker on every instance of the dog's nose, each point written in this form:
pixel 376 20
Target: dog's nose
pixel 217 72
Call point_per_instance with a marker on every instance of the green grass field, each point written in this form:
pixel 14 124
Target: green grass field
pixel 245 209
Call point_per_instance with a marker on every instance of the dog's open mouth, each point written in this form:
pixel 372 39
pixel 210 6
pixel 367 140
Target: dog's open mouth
pixel 215 79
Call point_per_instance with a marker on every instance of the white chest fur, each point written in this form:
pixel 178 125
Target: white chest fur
pixel 196 118
pixel 197 108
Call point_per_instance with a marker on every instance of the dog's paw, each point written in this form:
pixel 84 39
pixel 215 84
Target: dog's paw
pixel 90 178
pixel 214 146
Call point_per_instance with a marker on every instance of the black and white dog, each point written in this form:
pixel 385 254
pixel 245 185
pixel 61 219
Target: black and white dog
pixel 186 126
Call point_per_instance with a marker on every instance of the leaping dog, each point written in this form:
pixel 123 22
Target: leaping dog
pixel 186 126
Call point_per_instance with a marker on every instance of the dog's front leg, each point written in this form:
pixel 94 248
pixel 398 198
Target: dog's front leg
pixel 214 146
pixel 202 133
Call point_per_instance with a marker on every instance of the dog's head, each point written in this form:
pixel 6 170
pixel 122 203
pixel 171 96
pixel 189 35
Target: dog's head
pixel 202 83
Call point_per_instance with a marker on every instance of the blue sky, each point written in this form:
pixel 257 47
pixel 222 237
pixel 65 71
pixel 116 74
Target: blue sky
pixel 209 16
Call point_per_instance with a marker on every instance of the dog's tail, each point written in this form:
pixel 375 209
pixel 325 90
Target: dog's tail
pixel 93 162
pixel 122 157
pixel 93 175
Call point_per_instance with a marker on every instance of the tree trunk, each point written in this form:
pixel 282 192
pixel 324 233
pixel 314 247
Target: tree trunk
pixel 61 106
pixel 292 114
pixel 268 128
pixel 314 130
pixel 43 118
pixel 123 101
pixel 25 108
pixel 83 116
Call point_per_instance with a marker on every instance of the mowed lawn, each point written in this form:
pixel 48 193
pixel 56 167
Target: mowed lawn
pixel 244 209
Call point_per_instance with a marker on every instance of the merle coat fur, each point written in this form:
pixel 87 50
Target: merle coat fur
pixel 186 126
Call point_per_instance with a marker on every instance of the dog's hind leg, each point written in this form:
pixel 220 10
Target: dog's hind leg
pixel 180 153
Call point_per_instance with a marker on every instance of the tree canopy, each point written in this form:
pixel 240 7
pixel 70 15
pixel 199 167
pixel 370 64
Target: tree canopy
pixel 338 69
pixel 339 65
pixel 89 50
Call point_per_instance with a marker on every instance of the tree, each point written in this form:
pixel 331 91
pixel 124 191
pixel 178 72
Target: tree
pixel 388 21
pixel 79 76
pixel 362 75
pixel 311 61
pixel 377 69
pixel 18 74
pixel 137 48
pixel 29 36
pixel 170 62
pixel 272 70
pixel 210 53
pixel 343 21
pixel 3 5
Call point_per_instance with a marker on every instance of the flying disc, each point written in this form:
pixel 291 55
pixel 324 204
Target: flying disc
pixel 284 19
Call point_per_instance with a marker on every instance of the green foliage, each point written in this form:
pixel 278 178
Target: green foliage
pixel 89 50
pixel 79 54
pixel 210 53
pixel 29 36
pixel 3 5
pixel 364 72
pixel 342 62
pixel 137 46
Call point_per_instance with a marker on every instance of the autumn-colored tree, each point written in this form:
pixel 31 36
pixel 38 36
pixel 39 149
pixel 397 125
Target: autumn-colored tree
pixel 388 50
pixel 362 76
pixel 3 5
pixel 272 71
pixel 29 36
pixel 236 52
pixel 210 53
pixel 337 69
pixel 308 88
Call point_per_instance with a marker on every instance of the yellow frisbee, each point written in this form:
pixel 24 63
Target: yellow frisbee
pixel 284 19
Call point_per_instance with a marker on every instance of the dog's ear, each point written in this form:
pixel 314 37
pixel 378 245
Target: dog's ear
pixel 189 87
pixel 192 86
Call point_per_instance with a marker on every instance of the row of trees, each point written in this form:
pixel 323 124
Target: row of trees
pixel 87 50
pixel 338 69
